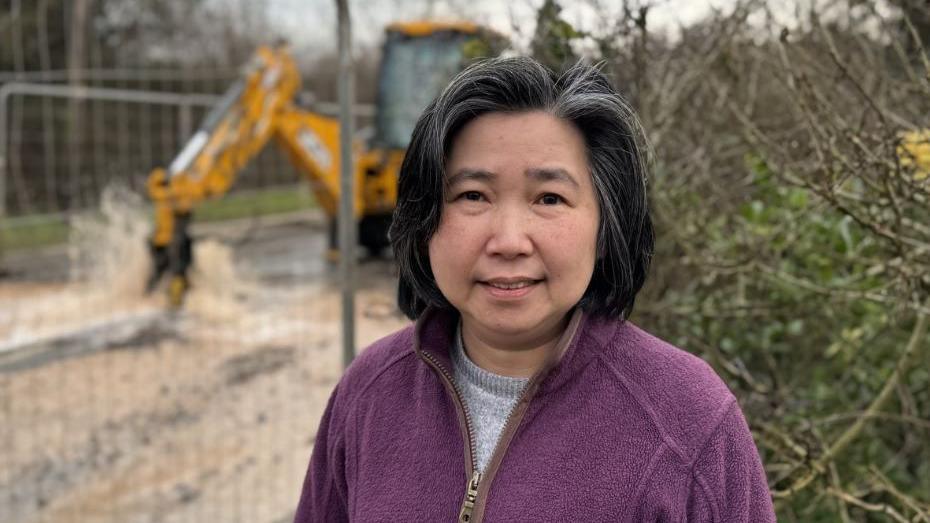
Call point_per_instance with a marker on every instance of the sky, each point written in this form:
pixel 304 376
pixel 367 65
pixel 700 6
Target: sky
pixel 310 24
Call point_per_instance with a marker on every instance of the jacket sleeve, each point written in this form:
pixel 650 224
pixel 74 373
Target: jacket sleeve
pixel 728 482
pixel 324 497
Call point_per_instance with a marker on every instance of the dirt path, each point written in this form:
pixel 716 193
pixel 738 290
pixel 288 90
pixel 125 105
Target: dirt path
pixel 204 415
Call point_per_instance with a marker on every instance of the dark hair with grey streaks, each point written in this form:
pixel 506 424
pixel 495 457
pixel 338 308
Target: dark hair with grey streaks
pixel 617 157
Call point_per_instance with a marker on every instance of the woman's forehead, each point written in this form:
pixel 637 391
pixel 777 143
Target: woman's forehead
pixel 515 124
pixel 535 143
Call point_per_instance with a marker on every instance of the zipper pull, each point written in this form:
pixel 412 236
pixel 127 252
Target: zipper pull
pixel 471 495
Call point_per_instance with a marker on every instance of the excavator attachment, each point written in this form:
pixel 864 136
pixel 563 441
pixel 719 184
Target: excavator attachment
pixel 174 259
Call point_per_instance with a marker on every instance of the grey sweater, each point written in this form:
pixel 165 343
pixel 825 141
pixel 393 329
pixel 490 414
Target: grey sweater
pixel 488 397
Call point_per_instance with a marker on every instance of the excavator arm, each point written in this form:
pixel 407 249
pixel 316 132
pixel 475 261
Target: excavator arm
pixel 233 132
pixel 312 143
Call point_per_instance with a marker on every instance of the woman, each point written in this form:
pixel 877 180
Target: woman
pixel 523 235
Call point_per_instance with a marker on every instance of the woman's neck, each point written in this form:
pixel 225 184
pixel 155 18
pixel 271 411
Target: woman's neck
pixel 514 356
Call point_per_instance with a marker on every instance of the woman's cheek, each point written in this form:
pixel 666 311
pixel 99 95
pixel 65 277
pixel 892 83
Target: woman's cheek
pixel 447 248
pixel 459 232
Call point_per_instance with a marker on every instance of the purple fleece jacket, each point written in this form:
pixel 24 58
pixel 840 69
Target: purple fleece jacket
pixel 620 426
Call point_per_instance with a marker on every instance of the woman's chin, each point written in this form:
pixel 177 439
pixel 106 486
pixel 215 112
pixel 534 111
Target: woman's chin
pixel 512 322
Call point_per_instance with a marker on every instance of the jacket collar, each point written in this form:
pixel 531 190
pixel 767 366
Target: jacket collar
pixel 434 334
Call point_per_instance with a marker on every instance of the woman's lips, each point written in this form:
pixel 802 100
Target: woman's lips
pixel 509 289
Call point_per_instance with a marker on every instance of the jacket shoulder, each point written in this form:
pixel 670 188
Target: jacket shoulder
pixel 376 359
pixel 682 394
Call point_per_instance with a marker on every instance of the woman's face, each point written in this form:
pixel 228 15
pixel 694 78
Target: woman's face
pixel 516 243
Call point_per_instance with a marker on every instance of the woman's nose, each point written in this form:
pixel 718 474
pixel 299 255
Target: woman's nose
pixel 510 234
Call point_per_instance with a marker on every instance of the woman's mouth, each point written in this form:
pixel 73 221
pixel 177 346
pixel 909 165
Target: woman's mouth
pixel 509 288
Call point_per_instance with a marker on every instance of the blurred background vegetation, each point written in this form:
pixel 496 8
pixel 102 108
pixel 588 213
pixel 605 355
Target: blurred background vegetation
pixel 790 188
pixel 794 231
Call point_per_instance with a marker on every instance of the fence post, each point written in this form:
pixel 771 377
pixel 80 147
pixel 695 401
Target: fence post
pixel 347 222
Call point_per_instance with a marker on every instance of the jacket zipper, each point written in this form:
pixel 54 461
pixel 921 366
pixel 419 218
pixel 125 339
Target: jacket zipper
pixel 472 461
pixel 476 513
pixel 471 496
pixel 472 510
pixel 471 490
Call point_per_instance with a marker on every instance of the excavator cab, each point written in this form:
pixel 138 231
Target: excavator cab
pixel 419 59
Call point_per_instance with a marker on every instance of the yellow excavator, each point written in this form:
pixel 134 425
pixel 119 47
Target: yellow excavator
pixel 419 59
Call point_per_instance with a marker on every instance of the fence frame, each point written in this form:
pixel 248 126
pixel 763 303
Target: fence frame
pixel 185 101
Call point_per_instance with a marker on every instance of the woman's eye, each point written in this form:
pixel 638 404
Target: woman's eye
pixel 551 199
pixel 472 196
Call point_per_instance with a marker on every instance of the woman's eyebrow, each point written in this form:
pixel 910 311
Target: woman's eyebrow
pixel 470 174
pixel 556 174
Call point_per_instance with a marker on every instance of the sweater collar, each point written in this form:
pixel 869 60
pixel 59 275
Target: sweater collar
pixel 467 371
pixel 435 333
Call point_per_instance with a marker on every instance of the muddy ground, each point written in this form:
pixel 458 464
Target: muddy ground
pixel 114 409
